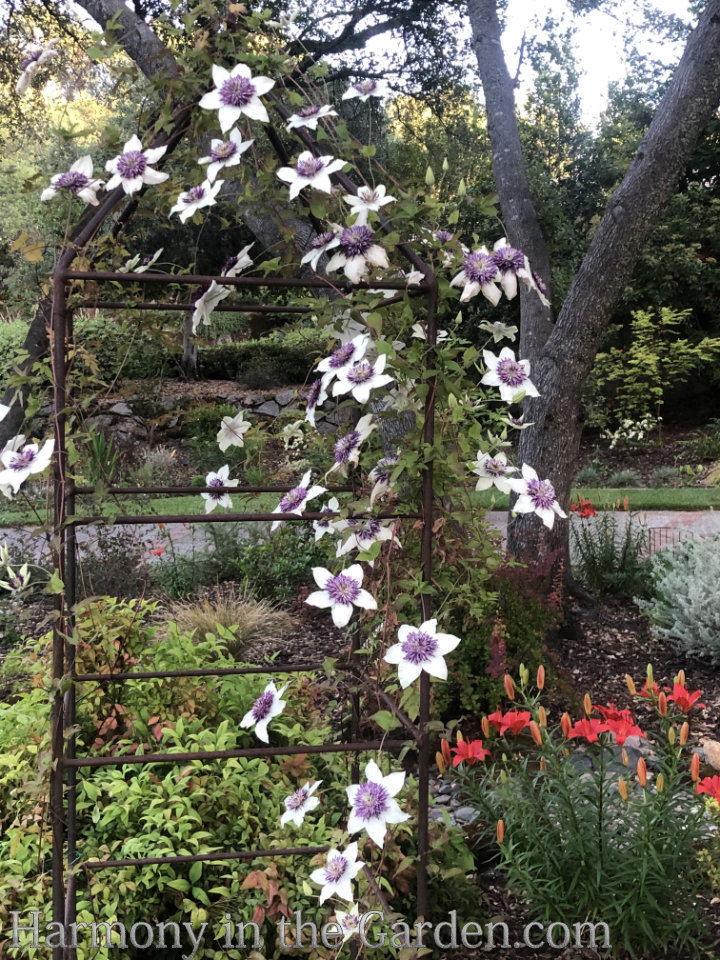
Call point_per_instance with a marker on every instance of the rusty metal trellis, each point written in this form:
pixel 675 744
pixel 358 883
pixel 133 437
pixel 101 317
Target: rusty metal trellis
pixel 65 863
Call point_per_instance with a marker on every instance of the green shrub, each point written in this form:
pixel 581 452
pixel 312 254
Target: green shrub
pixel 591 475
pixel 279 567
pixel 12 337
pixel 624 478
pixel 258 363
pixel 609 559
pixel 122 349
pixel 665 477
pixel 684 605
pixel 705 444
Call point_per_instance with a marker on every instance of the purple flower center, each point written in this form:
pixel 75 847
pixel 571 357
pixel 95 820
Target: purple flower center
pixel 342 356
pixel 511 372
pixel 366 86
pixel 226 150
pixel 310 168
pixel 508 259
pixel 369 530
pixel 216 483
pixel 73 180
pixel 132 164
pixel 356 241
pixel 32 57
pixel 495 467
pixel 542 494
pixel 313 394
pixel 323 240
pixel 309 111
pixel 229 264
pixel 342 589
pixel 22 460
pixel 479 268
pixel 539 282
pixel 443 236
pixel 237 92
pixel 16 583
pixel 345 446
pixel 335 869
pixel 263 706
pixel 361 372
pixel 419 647
pixel 371 800
pixel 294 499
pixel 298 799
pixel 381 473
pixel 194 195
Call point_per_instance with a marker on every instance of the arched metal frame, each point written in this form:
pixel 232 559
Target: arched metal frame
pixel 65 862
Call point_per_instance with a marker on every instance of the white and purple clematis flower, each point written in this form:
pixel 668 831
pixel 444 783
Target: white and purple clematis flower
pixel 381 478
pixel 478 275
pixel 299 803
pixel 78 180
pixel 493 471
pixel 308 116
pixel 349 922
pixel 194 199
pixel 205 303
pixel 132 168
pixel 347 448
pixel 232 430
pixel 340 593
pixel 536 496
pixel 358 251
pixel 20 462
pixel 373 805
pixel 16 582
pixel 235 265
pixel 337 875
pixel 513 264
pixel 328 525
pixel 510 375
pixel 295 500
pixel 319 245
pixel 343 357
pixel 236 93
pixel 267 706
pixel 366 89
pixel 310 171
pixel 361 378
pixel 225 153
pixel 500 330
pixel 421 649
pixel 368 200
pixel 365 532
pixel 216 481
pixel 316 397
pixel 31 63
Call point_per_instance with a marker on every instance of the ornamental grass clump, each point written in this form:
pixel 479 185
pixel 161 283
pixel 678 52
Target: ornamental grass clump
pixel 598 819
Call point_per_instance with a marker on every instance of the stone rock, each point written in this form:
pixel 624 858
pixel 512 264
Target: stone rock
pixel 711 749
pixel 325 426
pixel 121 410
pixel 442 798
pixel 284 397
pixel 168 404
pixel 466 815
pixel 252 399
pixel 270 408
pixel 101 421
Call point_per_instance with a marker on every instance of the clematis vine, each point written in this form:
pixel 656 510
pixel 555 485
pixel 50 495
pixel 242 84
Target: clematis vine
pixel 536 496
pixel 365 532
pixel 337 875
pixel 225 153
pixel 358 251
pixel 236 264
pixel 299 803
pixel 132 168
pixel 295 500
pixel 347 448
pixel 216 498
pixel 232 430
pixel 381 478
pixel 362 378
pixel 510 375
pixel 421 649
pixel 308 116
pixel 340 593
pixel 31 63
pixel 500 330
pixel 22 463
pixel 319 245
pixel 321 527
pixel 349 922
pixel 237 93
pixel 372 804
pixel 139 264
pixel 366 89
pixel 78 180
pixel 16 582
pixel 343 357
pixel 310 171
pixel 267 706
pixel 513 264
pixel 478 275
pixel 206 302
pixel 194 199
pixel 315 397
pixel 368 199
pixel 493 471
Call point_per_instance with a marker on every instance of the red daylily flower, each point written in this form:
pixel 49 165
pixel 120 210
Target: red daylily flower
pixel 495 719
pixel 650 693
pixel 470 751
pixel 684 699
pixel 623 728
pixel 514 720
pixel 711 786
pixel 590 729
pixel 584 507
pixel 611 712
pixel 158 552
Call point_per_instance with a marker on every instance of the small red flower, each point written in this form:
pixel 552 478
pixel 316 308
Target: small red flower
pixel 623 729
pixel 470 751
pixel 711 786
pixel 590 729
pixel 514 720
pixel 611 712
pixel 158 552
pixel 684 699
pixel 583 507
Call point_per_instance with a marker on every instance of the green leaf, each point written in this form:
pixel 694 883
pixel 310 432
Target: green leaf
pixel 385 720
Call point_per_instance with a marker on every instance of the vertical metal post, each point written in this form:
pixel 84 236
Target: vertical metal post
pixel 428 496
pixel 69 697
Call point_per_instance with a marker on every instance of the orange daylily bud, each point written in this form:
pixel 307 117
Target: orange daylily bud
pixel 681 678
pixel 542 716
pixel 622 789
pixel 459 737
pixel 630 684
pixel 536 734
pixel 671 736
pixel 642 772
pixel 566 724
pixel 440 761
pixel 445 748
pixel 660 783
pixel 695 767
pixel 684 733
pixel 485 724
pixel 625 758
pixel 543 764
pixel 587 704
pixel 509 686
pixel 500 831
pixel 540 677
pixel 662 703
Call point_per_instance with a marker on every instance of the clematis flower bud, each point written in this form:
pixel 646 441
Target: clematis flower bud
pixel 500 831
pixel 695 768
pixel 587 704
pixel 630 684
pixel 660 783
pixel 684 733
pixel 566 724
pixel 540 677
pixel 642 772
pixel 536 733
pixel 542 714
pixel 509 686
pixel 622 789
pixel 485 724
pixel 662 703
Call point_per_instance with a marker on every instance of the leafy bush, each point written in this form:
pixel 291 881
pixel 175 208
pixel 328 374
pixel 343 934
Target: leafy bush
pixel 665 477
pixel 155 468
pixel 112 562
pixel 121 348
pixel 591 475
pixel 609 559
pixel 684 605
pixel 12 337
pixel 624 478
pixel 705 444
pixel 278 568
pixel 258 363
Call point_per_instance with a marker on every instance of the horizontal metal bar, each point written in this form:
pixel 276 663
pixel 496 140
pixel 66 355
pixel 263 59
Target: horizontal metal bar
pixel 274 668
pixel 357 747
pixel 206 857
pixel 119 491
pixel 196 278
pixel 167 518
pixel 90 304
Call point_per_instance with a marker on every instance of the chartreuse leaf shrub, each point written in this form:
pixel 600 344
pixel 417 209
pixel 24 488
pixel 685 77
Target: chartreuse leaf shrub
pixel 584 833
pixel 683 606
